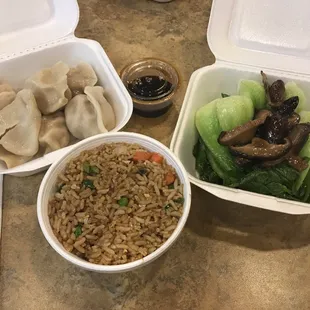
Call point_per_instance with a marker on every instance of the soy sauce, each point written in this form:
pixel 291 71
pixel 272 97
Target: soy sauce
pixel 150 87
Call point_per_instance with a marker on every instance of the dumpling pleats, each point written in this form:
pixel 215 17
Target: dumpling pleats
pixel 20 124
pixel 90 114
pixel 54 133
pixel 50 88
pixel 12 160
pixel 81 76
pixel 96 95
pixel 82 118
pixel 7 95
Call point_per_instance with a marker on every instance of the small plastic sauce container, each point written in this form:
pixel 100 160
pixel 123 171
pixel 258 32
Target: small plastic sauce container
pixel 151 84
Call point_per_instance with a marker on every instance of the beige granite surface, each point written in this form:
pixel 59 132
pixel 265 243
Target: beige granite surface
pixel 228 257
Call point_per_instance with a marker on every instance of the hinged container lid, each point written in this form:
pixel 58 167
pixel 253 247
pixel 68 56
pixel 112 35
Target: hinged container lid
pixel 263 33
pixel 28 23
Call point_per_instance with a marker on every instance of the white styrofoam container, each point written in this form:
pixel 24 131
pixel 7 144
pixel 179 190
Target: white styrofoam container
pixel 47 189
pixel 246 36
pixel 37 35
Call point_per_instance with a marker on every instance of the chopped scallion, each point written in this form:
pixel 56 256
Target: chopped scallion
pixel 94 170
pixel 86 167
pixel 167 207
pixel 91 170
pixel 123 202
pixel 89 184
pixel 78 231
pixel 179 200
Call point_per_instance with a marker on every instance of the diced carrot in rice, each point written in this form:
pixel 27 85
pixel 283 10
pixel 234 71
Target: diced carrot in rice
pixel 156 158
pixel 142 156
pixel 169 178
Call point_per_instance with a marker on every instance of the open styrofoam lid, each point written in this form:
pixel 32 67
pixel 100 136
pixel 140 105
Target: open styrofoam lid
pixel 264 33
pixel 28 23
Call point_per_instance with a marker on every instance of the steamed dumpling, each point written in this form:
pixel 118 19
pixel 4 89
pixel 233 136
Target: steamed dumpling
pixel 81 76
pixel 54 133
pixel 20 124
pixel 90 114
pixel 12 160
pixel 96 95
pixel 83 119
pixel 5 87
pixel 50 88
pixel 7 95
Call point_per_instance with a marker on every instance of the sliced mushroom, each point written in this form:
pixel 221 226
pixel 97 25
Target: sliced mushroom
pixel 298 137
pixel 263 114
pixel 272 163
pixel 261 149
pixel 275 128
pixel 266 85
pixel 288 106
pixel 243 162
pixel 275 93
pixel 293 120
pixel 297 162
pixel 293 160
pixel 245 133
pixel 241 134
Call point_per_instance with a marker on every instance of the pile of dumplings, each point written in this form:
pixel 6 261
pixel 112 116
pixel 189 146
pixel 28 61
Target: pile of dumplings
pixel 56 104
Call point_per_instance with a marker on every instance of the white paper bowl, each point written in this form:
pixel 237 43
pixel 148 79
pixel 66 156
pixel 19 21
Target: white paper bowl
pixel 47 187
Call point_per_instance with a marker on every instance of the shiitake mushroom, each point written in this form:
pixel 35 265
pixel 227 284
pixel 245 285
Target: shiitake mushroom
pixel 275 93
pixel 244 134
pixel 275 128
pixel 260 149
pixel 288 106
pixel 293 120
pixel 241 134
pixel 298 137
pixel 243 162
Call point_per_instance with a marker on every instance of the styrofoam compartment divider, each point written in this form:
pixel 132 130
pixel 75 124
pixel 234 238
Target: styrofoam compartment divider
pixel 16 66
pixel 243 47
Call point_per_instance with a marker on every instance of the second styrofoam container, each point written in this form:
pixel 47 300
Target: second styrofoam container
pixel 243 34
pixel 42 36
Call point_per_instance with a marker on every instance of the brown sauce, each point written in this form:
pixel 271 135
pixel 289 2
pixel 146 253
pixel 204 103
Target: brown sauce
pixel 150 87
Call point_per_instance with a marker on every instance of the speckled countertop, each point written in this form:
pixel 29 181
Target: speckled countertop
pixel 228 257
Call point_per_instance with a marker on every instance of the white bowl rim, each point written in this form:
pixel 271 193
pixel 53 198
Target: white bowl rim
pixel 128 266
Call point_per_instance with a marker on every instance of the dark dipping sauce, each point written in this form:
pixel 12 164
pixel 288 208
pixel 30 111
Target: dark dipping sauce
pixel 150 87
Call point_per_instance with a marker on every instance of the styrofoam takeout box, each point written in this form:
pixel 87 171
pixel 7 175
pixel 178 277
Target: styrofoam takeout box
pixel 47 189
pixel 246 36
pixel 35 34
